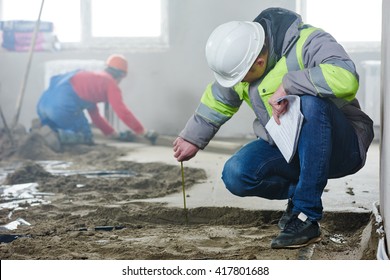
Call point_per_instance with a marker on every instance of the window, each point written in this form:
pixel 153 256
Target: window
pixel 97 24
pixel 355 24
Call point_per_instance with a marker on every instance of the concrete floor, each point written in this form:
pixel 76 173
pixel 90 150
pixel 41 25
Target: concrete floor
pixel 354 193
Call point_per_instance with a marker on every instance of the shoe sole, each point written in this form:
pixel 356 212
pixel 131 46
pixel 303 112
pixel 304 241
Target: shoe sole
pixel 296 246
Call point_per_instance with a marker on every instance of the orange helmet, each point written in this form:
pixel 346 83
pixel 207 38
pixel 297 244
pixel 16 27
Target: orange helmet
pixel 117 61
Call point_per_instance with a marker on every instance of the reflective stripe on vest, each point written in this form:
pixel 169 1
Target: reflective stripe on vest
pixel 216 106
pixel 294 59
pixel 292 62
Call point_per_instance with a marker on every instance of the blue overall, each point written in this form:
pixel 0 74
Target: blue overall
pixel 62 110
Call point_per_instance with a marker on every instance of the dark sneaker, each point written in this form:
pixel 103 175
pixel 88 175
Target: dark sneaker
pixel 286 215
pixel 298 232
pixel 69 137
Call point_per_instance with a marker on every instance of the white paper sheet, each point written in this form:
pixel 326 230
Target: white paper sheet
pixel 286 134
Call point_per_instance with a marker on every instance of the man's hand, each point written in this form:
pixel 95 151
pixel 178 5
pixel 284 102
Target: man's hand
pixel 279 106
pixel 127 136
pixel 184 150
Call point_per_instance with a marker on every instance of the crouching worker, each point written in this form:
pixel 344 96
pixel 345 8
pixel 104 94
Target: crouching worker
pixel 259 62
pixel 61 107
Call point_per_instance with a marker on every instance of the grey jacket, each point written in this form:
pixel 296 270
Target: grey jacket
pixel 282 28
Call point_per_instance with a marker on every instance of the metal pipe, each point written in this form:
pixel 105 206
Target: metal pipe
pixel 384 147
pixel 24 83
pixel 6 128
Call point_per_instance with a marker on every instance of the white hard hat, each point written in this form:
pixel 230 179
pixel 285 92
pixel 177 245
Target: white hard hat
pixel 232 48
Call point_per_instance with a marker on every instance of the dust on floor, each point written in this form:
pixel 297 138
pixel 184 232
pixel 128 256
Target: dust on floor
pixel 87 207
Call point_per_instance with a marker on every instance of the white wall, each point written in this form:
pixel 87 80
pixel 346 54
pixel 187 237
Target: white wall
pixel 163 88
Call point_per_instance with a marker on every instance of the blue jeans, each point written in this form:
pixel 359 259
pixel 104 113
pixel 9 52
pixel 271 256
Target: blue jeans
pixel 327 148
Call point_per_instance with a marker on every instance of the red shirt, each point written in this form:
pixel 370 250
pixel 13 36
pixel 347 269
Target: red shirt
pixel 98 87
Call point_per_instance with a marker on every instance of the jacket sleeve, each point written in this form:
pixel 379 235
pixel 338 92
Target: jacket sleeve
pixel 326 70
pixel 99 121
pixel 122 111
pixel 217 105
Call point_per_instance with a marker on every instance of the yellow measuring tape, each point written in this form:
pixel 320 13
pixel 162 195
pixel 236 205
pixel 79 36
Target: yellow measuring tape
pixel 184 192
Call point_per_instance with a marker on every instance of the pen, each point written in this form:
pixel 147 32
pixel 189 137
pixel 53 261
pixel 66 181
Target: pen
pixel 279 100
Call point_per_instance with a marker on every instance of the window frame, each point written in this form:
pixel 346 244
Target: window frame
pixel 87 41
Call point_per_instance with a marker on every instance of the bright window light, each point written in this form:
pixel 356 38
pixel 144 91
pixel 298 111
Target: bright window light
pixel 347 20
pixel 67 28
pixel 96 23
pixel 127 19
